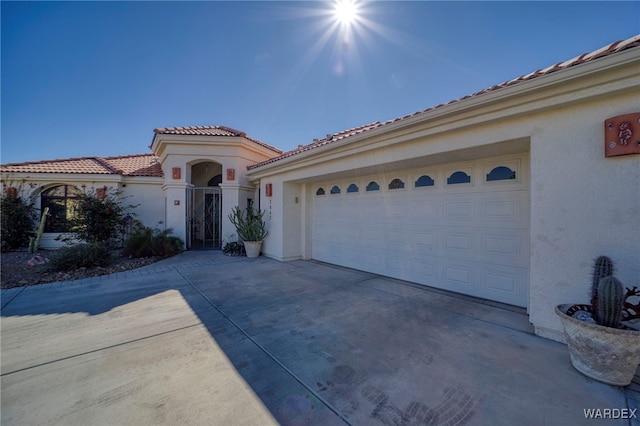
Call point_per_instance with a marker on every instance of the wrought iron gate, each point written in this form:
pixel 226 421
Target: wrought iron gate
pixel 204 224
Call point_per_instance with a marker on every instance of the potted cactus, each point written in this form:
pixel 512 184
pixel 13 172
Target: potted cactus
pixel 603 343
pixel 251 228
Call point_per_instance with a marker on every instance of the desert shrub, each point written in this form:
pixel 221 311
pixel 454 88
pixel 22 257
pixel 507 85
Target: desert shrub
pixel 145 242
pixel 17 223
pixel 99 219
pixel 233 248
pixel 84 255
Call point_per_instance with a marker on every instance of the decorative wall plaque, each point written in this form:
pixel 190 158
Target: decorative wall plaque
pixel 101 193
pixel 622 135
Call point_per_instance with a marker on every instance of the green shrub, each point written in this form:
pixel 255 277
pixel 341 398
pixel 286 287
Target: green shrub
pixel 85 255
pixel 17 223
pixel 147 242
pixel 98 220
pixel 233 249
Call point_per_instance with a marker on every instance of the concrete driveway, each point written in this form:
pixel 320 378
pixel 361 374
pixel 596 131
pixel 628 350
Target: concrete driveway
pixel 206 339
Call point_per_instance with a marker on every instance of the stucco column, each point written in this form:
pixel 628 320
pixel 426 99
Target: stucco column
pixel 176 208
pixel 233 195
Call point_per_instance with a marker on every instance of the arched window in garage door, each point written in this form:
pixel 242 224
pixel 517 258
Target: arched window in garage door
pixel 501 173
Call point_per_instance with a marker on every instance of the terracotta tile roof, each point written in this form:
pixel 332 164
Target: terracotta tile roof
pixel 211 131
pixel 319 142
pixel 126 165
pixel 135 165
pixel 610 49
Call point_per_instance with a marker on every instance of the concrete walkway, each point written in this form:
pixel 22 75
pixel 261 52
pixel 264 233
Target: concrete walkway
pixel 204 339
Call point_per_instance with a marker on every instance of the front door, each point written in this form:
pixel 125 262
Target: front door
pixel 204 210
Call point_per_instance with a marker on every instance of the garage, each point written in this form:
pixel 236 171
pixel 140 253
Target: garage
pixel 462 227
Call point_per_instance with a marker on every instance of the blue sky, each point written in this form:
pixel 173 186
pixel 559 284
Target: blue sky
pixel 95 78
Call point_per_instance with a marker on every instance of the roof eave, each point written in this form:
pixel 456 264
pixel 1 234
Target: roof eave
pixel 475 102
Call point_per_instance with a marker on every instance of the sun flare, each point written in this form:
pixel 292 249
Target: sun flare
pixel 346 11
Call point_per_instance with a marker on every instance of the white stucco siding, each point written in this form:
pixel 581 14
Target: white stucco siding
pixel 143 192
pixel 148 200
pixel 582 205
pixel 273 206
pixel 186 151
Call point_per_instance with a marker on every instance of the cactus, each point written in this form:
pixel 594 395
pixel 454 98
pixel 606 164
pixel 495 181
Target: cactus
pixel 34 243
pixel 608 306
pixel 602 267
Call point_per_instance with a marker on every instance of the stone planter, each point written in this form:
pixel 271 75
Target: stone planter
pixel 609 355
pixel 252 248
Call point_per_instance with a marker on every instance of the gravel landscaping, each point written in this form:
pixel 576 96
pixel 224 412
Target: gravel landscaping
pixel 16 270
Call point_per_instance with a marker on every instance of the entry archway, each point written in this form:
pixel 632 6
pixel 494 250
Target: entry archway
pixel 204 206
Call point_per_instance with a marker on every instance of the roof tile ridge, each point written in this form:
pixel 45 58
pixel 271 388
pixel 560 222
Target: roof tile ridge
pixel 104 163
pixel 113 157
pixel 236 132
pixel 55 160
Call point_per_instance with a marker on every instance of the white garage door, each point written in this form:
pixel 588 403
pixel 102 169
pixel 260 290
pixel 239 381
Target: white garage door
pixel 460 227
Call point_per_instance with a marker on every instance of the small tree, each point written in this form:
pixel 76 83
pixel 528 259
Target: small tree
pixel 17 217
pixel 98 217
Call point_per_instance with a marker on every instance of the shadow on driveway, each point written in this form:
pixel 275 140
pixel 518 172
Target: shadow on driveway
pixel 241 341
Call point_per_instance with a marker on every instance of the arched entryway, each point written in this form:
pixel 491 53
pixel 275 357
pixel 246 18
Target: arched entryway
pixel 204 206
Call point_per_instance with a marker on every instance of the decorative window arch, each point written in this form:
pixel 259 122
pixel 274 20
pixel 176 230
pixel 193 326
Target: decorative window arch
pixel 373 186
pixel 335 189
pixel 424 180
pixel 61 201
pixel 352 188
pixel 215 181
pixel 396 184
pixel 458 177
pixel 501 173
pixel 320 191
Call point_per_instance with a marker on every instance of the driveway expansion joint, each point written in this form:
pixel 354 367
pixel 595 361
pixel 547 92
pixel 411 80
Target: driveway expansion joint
pixel 99 349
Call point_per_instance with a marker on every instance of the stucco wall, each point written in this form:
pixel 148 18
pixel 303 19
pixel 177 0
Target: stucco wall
pixel 143 193
pixel 188 153
pixel 582 204
pixel 149 202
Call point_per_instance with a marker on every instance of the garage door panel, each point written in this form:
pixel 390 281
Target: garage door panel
pixel 472 239
pixel 506 247
pixel 425 243
pixel 459 244
pixel 510 210
pixel 351 254
pixel 373 237
pixel 425 270
pixel 504 283
pixel 458 277
pixel 397 265
pixel 374 261
pixel 396 237
pixel 458 209
pixel 424 210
